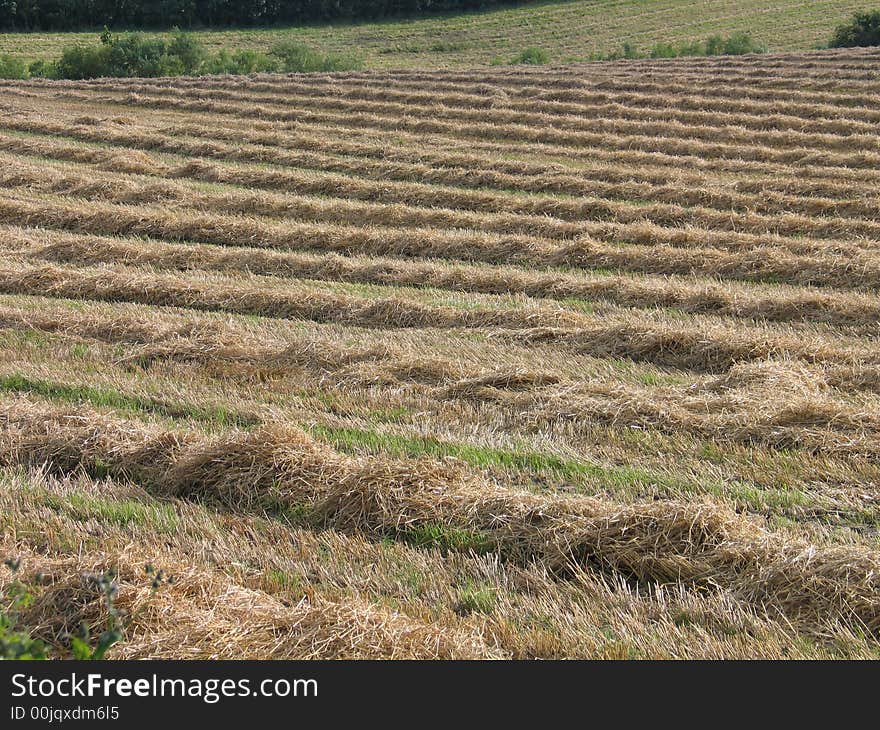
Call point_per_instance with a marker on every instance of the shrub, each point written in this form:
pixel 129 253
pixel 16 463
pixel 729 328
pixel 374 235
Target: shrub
pixel 298 58
pixel 716 45
pixel 81 62
pixel 12 68
pixel 239 62
pixel 863 29
pixel 135 55
pixel 664 50
pixel 187 50
pixel 534 56
pixel 629 50
pixel 741 43
pixel 41 68
pixel 131 54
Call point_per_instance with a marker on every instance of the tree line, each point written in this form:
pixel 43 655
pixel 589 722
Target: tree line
pixel 154 14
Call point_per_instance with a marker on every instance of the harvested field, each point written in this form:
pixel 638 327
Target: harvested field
pixel 573 361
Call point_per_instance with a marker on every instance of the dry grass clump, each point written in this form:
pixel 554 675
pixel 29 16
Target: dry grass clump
pixel 712 350
pixel 203 615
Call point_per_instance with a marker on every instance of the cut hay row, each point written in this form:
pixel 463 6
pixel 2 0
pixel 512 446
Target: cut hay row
pixel 707 148
pixel 226 230
pixel 492 154
pixel 649 248
pixel 621 77
pixel 781 192
pixel 501 113
pixel 713 348
pixel 704 544
pixel 466 175
pixel 838 308
pixel 535 111
pixel 584 210
pixel 339 125
pixel 311 304
pixel 772 71
pixel 598 89
pixel 254 551
pixel 588 83
pixel 204 615
pixel 784 408
pixel 572 130
pixel 207 342
pixel 777 405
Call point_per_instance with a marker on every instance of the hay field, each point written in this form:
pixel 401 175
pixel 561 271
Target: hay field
pixel 569 30
pixel 547 362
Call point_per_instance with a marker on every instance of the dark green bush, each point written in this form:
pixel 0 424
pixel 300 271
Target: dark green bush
pixel 190 54
pixel 81 62
pixel 716 45
pixel 298 58
pixel 131 54
pixel 12 68
pixel 863 29
pixel 664 50
pixel 41 68
pixel 629 50
pixel 135 55
pixel 244 61
pixel 534 56
pixel 741 43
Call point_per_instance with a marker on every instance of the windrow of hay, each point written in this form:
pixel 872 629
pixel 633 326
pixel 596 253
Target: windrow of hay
pixel 813 167
pixel 780 406
pixel 845 309
pixel 777 404
pixel 845 190
pixel 702 544
pixel 521 103
pixel 792 109
pixel 608 172
pixel 211 342
pixel 441 189
pixel 571 130
pixel 203 615
pixel 467 173
pixel 735 147
pixel 585 103
pixel 116 285
pixel 710 349
pixel 649 249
